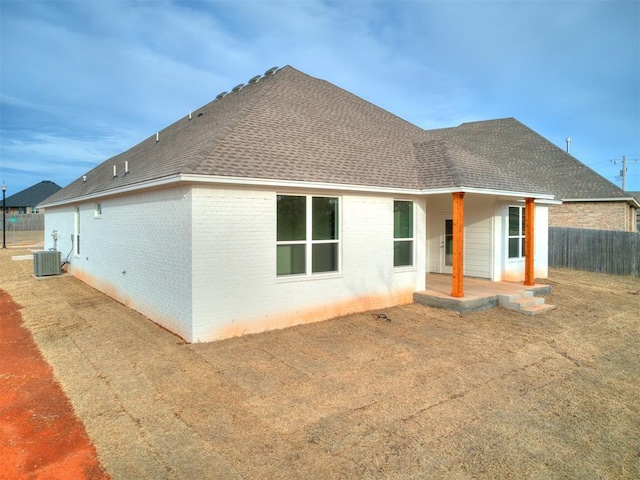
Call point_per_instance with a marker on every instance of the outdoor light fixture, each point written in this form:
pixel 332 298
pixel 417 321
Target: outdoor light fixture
pixel 4 222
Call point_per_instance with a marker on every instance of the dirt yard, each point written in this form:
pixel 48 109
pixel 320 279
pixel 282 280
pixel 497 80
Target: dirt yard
pixel 428 394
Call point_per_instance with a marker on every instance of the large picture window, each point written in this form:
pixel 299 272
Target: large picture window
pixel 402 233
pixel 516 232
pixel 307 234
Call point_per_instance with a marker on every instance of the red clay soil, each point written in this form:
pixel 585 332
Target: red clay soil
pixel 40 437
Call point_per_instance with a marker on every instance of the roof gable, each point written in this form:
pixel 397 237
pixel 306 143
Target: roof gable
pixel 443 164
pixel 516 148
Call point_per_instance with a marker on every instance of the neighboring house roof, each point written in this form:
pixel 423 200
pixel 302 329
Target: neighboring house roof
pixel 33 195
pixel 288 126
pixel 516 148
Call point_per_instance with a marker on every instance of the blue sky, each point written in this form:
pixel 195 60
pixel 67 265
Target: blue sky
pixel 84 80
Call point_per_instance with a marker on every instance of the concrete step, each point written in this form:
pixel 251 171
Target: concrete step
pixel 520 303
pixel 537 309
pixel 525 303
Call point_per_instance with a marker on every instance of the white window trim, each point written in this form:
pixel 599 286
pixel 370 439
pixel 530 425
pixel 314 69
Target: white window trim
pixel 97 210
pixel 411 267
pixel 76 231
pixel 309 242
pixel 520 236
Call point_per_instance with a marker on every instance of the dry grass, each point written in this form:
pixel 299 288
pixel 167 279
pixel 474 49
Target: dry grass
pixel 14 239
pixel 429 394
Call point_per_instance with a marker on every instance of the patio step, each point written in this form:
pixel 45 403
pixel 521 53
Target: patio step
pixel 525 303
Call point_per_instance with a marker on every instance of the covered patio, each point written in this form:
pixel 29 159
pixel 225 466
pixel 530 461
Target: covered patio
pixel 479 294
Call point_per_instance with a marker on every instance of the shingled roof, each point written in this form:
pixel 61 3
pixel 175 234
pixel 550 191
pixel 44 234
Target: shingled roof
pixel 33 195
pixel 293 127
pixel 516 148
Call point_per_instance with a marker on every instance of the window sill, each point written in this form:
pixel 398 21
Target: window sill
pixel 304 277
pixel 408 268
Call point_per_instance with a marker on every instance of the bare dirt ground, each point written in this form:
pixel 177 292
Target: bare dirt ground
pixel 428 394
pixel 40 436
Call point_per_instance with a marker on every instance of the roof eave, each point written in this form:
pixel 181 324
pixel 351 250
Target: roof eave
pixel 630 200
pixel 284 184
pixel 547 198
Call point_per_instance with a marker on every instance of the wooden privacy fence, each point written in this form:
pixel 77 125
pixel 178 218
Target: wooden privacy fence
pixel 603 251
pixel 20 222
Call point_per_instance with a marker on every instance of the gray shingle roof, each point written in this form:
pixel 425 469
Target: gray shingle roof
pixel 442 164
pixel 290 126
pixel 33 195
pixel 516 148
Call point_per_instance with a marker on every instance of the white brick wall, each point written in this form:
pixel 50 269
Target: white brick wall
pixel 236 289
pixel 201 260
pixel 138 252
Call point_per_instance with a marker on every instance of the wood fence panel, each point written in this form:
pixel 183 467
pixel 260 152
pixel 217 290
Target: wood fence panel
pixel 21 222
pixel 605 251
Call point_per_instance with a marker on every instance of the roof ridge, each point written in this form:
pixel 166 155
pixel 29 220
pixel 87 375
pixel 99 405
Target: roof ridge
pixel 224 131
pixel 456 172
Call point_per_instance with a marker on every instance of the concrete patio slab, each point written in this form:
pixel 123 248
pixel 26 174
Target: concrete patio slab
pixel 479 294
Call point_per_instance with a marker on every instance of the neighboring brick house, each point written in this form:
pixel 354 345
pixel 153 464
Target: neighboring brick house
pixel 26 201
pixel 287 201
pixel 588 199
pixel 636 195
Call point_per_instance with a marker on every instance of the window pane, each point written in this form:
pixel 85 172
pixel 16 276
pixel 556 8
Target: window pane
pixel 292 218
pixel 402 219
pixel 514 243
pixel 325 218
pixel 291 259
pixel 514 221
pixel 402 253
pixel 522 248
pixel 324 257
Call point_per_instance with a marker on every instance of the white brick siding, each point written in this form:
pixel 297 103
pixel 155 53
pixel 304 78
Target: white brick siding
pixel 201 260
pixel 236 290
pixel 138 252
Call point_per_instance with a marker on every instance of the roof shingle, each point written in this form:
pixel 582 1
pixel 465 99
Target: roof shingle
pixel 515 148
pixel 290 126
pixel 33 195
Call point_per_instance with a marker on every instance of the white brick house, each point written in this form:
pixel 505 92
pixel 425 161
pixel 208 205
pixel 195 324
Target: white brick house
pixel 285 202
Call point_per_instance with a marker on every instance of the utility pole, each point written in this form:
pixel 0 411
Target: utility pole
pixel 623 172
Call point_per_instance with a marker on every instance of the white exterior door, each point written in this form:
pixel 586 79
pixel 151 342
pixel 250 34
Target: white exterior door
pixel 446 244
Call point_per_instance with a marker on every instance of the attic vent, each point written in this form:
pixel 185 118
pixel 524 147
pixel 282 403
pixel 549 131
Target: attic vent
pixel 254 79
pixel 237 87
pixel 271 71
pixel 223 94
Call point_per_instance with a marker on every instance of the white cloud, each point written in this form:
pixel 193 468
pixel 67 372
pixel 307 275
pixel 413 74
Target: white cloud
pixel 94 78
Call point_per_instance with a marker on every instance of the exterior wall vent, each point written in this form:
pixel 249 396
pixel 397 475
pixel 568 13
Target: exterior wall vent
pixel 46 262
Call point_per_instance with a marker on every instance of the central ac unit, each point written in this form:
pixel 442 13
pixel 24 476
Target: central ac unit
pixel 46 263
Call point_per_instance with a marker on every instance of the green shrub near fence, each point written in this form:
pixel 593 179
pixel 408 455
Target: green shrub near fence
pixel 605 251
